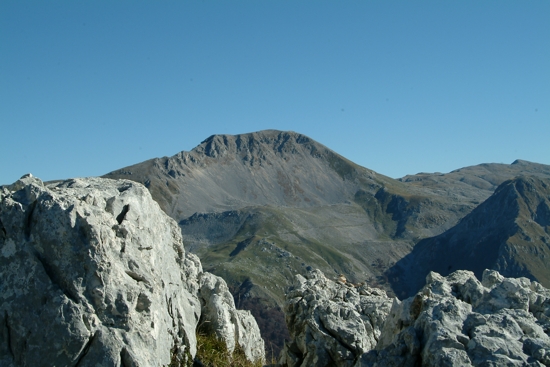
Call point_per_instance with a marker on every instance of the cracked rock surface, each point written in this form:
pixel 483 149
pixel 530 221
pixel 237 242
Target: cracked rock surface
pixel 219 316
pixel 453 321
pixel 92 272
pixel 459 321
pixel 331 323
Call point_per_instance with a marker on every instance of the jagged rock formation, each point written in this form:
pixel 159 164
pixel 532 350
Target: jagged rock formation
pixel 94 273
pixel 453 321
pixel 220 316
pixel 332 323
pixel 509 232
pixel 459 321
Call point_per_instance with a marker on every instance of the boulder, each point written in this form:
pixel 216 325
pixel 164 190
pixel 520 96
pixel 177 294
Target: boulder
pixel 459 321
pixel 219 316
pixel 92 272
pixel 331 323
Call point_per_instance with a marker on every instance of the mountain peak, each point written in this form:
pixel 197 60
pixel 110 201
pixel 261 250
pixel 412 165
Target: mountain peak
pixel 268 167
pixel 259 142
pixel 525 186
pixel 520 161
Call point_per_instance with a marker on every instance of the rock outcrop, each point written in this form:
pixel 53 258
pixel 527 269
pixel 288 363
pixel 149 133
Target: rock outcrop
pixel 236 327
pixel 459 321
pixel 453 321
pixel 92 272
pixel 332 323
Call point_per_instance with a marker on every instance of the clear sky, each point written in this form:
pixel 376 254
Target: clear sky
pixel 400 87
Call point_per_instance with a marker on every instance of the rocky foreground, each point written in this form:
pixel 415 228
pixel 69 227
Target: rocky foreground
pixel 332 323
pixel 93 273
pixel 453 321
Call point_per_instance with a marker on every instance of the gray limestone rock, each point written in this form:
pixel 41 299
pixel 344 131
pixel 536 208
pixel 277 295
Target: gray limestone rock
pixel 235 327
pixel 332 323
pixel 453 321
pixel 459 321
pixel 92 272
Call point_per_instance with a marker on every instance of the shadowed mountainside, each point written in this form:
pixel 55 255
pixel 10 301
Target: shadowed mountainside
pixel 509 232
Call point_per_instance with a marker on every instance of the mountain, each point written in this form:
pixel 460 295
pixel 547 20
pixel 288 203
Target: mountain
pixel 509 232
pixel 477 182
pixel 276 202
pixel 265 168
pixel 259 208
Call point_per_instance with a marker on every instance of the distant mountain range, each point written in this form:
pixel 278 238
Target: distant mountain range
pixel 258 208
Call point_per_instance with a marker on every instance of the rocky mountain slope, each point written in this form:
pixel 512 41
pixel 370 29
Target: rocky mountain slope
pixel 259 208
pixel 509 232
pixel 93 273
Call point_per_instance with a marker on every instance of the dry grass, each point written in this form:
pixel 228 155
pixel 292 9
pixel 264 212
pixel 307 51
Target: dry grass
pixel 212 352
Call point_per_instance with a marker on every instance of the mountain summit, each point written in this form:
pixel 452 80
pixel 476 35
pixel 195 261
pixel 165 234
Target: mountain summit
pixel 263 168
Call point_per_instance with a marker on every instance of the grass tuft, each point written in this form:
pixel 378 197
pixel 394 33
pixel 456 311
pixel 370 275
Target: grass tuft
pixel 212 352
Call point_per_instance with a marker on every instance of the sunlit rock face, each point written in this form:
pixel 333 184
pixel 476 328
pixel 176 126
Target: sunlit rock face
pixel 452 321
pixel 332 322
pixel 459 321
pixel 94 273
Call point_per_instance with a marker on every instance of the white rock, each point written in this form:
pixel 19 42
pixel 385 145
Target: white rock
pixel 459 321
pixel 331 323
pixel 93 273
pixel 231 325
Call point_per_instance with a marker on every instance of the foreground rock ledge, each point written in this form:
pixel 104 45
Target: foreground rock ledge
pixel 92 272
pixel 459 321
pixel 453 321
pixel 331 323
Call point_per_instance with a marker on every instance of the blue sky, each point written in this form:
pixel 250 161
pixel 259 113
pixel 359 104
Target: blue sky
pixel 400 87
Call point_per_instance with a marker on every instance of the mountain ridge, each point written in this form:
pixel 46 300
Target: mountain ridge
pixel 260 155
pixel 497 235
pixel 259 208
